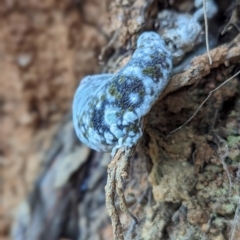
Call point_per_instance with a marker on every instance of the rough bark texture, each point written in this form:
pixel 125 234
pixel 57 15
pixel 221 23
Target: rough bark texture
pixel 180 186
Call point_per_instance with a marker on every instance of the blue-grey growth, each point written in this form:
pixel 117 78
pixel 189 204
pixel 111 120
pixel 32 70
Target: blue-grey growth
pixel 108 108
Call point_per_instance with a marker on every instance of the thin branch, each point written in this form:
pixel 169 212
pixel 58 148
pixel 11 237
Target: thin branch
pixel 209 95
pixel 206 30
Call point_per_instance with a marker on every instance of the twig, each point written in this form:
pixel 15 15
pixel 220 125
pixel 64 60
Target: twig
pixel 123 166
pixel 206 30
pixel 200 67
pixel 209 95
pixel 110 203
pixel 117 171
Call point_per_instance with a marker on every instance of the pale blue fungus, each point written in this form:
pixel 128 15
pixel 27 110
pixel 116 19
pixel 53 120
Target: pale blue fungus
pixel 108 108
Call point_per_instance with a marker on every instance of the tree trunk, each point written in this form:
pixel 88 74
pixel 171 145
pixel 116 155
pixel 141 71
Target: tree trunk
pixel 181 185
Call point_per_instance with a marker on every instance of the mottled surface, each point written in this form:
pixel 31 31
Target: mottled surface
pixel 77 210
pixel 108 108
pixel 180 31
